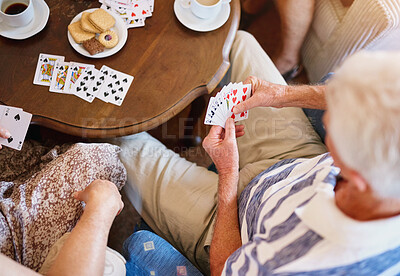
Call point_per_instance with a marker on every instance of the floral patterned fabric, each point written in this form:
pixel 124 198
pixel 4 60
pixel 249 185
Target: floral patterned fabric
pixel 36 186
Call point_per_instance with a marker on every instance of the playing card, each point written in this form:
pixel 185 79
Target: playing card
pixel 74 72
pixel 220 107
pixel 82 84
pixel 95 85
pixel 17 123
pixel 59 77
pixel 115 87
pixel 44 68
pixel 134 23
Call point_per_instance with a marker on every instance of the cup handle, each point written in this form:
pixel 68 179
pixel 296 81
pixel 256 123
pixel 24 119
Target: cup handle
pixel 185 3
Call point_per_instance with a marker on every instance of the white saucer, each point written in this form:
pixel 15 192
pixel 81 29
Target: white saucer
pixel 37 24
pixel 119 28
pixel 189 20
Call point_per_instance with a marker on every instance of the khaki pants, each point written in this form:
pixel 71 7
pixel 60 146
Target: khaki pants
pixel 177 198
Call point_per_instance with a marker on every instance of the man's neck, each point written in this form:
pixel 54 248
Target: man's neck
pixel 367 206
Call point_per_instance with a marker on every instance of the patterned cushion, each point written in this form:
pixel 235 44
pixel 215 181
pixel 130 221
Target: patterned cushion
pixel 40 209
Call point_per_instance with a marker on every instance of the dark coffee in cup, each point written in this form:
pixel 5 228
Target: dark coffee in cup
pixel 15 8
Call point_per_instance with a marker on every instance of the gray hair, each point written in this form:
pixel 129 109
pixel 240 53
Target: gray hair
pixel 363 100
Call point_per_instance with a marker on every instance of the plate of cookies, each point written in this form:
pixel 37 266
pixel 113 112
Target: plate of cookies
pixel 97 33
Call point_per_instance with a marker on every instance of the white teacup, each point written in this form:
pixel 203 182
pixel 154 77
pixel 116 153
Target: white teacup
pixel 204 9
pixel 16 20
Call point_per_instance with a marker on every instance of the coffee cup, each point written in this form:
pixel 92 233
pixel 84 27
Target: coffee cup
pixel 16 13
pixel 205 9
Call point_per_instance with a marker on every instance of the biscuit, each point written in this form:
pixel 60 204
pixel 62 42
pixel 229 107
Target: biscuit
pixel 78 34
pixel 93 46
pixel 102 20
pixel 109 39
pixel 86 25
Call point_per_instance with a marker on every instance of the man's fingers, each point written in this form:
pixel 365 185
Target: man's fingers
pixel 246 105
pixel 230 129
pixel 215 131
pixel 239 134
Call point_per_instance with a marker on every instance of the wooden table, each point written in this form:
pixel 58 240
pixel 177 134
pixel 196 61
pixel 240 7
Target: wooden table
pixel 172 66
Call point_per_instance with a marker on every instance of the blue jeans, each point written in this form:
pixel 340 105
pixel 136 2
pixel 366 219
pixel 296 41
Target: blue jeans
pixel 148 254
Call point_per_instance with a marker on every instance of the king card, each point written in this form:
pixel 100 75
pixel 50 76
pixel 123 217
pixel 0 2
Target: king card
pixel 45 68
pixel 59 77
pixel 74 72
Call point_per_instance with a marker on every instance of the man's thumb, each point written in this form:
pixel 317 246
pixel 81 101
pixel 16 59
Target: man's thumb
pixel 244 106
pixel 230 129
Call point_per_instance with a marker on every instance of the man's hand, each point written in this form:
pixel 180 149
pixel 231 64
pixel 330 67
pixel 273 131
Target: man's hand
pixel 4 133
pixel 221 145
pixel 263 93
pixel 102 193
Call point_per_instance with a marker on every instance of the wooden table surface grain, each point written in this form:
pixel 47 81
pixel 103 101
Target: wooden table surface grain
pixel 172 66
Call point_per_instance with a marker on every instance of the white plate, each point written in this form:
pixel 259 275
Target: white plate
pixel 36 25
pixel 189 20
pixel 119 28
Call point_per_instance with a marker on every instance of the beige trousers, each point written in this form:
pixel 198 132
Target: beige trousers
pixel 177 198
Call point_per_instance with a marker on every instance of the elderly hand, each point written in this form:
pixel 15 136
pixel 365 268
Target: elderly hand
pixel 4 133
pixel 102 193
pixel 264 93
pixel 221 145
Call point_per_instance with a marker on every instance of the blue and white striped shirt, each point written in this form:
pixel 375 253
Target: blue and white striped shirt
pixel 290 225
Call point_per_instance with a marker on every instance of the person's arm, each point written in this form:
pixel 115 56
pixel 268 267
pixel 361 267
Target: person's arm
pixel 4 133
pixel 222 147
pixel 269 94
pixel 84 251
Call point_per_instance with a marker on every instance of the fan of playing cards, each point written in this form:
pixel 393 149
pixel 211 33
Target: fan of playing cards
pixel 82 80
pixel 220 107
pixel 16 121
pixel 133 12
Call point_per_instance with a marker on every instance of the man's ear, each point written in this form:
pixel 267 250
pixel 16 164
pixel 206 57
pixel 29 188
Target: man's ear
pixel 358 180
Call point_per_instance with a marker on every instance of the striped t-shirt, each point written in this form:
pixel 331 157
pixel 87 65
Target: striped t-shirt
pixel 290 225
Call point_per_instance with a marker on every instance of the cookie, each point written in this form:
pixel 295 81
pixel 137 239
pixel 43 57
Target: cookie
pixel 93 46
pixel 102 20
pixel 109 39
pixel 86 25
pixel 78 34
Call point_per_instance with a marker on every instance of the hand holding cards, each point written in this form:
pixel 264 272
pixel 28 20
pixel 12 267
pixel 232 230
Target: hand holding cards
pixel 16 121
pixel 220 107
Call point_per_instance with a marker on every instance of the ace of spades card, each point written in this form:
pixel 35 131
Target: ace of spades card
pixel 59 78
pixel 115 87
pixel 17 123
pixel 82 84
pixel 45 68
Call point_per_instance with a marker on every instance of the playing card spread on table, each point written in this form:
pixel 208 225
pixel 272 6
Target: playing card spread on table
pixel 16 121
pixel 115 87
pixel 44 68
pixel 74 72
pixel 59 78
pixel 220 107
pixel 94 87
pixel 82 84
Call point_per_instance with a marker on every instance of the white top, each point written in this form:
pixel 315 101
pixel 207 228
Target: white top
pixel 290 224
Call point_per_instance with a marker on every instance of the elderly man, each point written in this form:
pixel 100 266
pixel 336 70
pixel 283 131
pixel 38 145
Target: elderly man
pixel 279 205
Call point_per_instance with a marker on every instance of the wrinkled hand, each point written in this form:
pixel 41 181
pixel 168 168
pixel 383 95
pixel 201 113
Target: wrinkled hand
pixel 4 133
pixel 263 93
pixel 221 145
pixel 101 193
